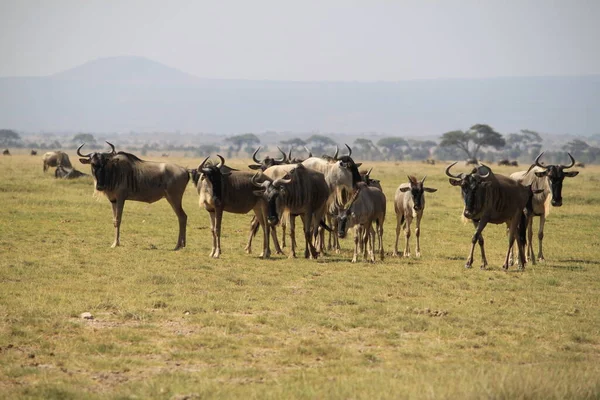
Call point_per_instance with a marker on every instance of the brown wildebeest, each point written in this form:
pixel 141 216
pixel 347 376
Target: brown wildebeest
pixel 54 158
pixel 33 152
pixel 302 192
pixel 6 152
pixel 222 188
pixel 122 176
pixel 63 172
pixel 409 203
pixel 496 199
pixel 367 205
pixel 548 178
pixel 267 161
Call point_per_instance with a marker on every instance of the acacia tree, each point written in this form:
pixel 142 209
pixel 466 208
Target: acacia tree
pixel 366 149
pixel 318 143
pixel 9 138
pixel 393 147
pixel 249 140
pixel 471 141
pixel 527 141
pixel 87 138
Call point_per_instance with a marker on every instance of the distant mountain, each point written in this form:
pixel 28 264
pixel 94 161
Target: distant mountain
pixel 134 93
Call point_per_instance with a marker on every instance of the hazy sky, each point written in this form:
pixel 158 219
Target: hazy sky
pixel 367 40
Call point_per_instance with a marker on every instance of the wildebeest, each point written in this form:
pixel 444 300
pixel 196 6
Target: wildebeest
pixel 508 163
pixel 222 188
pixel 122 176
pixel 298 160
pixel 63 172
pixel 471 161
pixel 497 199
pixel 409 203
pixel 367 205
pixel 33 152
pixel 580 165
pixel 6 152
pixel 54 158
pixel 366 178
pixel 302 192
pixel 548 178
pixel 267 161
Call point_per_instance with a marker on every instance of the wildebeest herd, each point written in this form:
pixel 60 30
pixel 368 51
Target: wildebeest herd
pixel 329 194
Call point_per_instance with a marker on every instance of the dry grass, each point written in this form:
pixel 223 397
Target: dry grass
pixel 174 324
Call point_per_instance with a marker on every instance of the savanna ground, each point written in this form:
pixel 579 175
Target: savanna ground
pixel 180 325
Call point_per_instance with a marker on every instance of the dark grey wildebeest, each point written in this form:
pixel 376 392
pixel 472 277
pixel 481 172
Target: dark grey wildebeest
pixel 6 152
pixel 122 176
pixel 267 161
pixel 301 192
pixel 62 172
pixel 409 203
pixel 221 189
pixel 496 199
pixel 56 158
pixel 548 178
pixel 367 205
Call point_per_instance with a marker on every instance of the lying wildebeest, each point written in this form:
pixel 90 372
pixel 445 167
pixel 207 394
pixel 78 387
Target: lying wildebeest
pixel 122 176
pixel 54 158
pixel 302 192
pixel 504 162
pixel 6 152
pixel 496 199
pixel 580 164
pixel 548 178
pixel 222 188
pixel 63 172
pixel 409 203
pixel 514 163
pixel 33 153
pixel 367 205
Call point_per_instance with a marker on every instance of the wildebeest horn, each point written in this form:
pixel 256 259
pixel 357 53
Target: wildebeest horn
pixel 423 180
pixel 222 161
pixel 112 147
pixel 276 182
pixel 336 152
pixel 202 164
pixel 369 172
pixel 82 155
pixel 309 152
pixel 284 155
pixel 572 162
pixel 537 160
pixel 349 150
pixel 254 156
pixel 289 156
pixel 486 175
pixel 253 180
pixel 448 171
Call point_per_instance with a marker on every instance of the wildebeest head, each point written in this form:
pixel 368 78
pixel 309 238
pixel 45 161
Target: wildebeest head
pixel 267 161
pixel 473 188
pixel 98 162
pixel 416 191
pixel 272 191
pixel 213 175
pixel 346 162
pixel 555 174
pixel 345 214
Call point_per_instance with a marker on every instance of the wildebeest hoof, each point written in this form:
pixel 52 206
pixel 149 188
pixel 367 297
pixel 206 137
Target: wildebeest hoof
pixel 483 267
pixel 417 254
pixel 116 244
pixel 467 265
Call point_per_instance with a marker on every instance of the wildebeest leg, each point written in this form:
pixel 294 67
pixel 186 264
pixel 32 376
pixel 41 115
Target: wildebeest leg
pixel 254 225
pixel 261 213
pixel 511 241
pixel 292 221
pixel 368 242
pixel 541 237
pixel 398 228
pixel 380 236
pixel 213 231
pixel 175 202
pixel 117 207
pixel 407 224
pixel 309 250
pixel 218 219
pixel 356 240
pixel 330 238
pixel 418 234
pixel 530 254
pixel 477 237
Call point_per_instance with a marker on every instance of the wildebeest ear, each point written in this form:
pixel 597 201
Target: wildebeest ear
pixel 254 166
pixel 540 174
pixel 571 174
pixel 454 182
pixel 358 164
pixel 430 190
pixel 85 160
pixel 225 170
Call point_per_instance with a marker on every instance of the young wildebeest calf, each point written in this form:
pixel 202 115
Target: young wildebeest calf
pixel 225 189
pixel 122 176
pixel 366 206
pixel 409 203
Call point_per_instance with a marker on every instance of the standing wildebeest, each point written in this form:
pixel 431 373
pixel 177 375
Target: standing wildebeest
pixel 222 188
pixel 67 173
pixel 409 203
pixel 496 199
pixel 302 192
pixel 122 176
pixel 549 178
pixel 267 161
pixel 54 158
pixel 6 152
pixel 366 206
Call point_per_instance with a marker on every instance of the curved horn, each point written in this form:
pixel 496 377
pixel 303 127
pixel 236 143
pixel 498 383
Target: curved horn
pixel 423 180
pixel 349 149
pixel 82 155
pixel 537 161
pixel 112 147
pixel 486 175
pixel 336 152
pixel 368 174
pixel 222 161
pixel 276 182
pixel 289 156
pixel 284 155
pixel 309 152
pixel 448 171
pixel 572 162
pixel 202 164
pixel 254 156
pixel 253 180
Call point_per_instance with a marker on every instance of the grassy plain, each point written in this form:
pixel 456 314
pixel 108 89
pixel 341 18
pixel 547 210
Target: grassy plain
pixel 180 325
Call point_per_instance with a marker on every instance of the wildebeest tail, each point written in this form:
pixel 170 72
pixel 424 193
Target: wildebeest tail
pixel 402 219
pixel 523 227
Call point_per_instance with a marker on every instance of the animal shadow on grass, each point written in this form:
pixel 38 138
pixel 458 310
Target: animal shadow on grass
pixel 571 260
pixel 566 267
